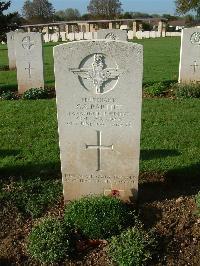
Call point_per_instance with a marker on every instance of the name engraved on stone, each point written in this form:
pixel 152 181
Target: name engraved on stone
pixel 27 43
pixel 99 147
pixel 195 38
pixel 111 36
pixel 195 66
pixel 99 111
pixel 29 68
pixel 99 74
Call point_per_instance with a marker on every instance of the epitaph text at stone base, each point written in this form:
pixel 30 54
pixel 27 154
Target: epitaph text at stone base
pixel 29 61
pixel 99 96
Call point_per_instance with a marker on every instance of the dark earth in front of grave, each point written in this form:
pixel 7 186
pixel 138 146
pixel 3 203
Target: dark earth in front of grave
pixel 163 205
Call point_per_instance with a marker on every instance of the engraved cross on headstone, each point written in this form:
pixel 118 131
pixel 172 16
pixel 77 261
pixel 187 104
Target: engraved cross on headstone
pixel 27 43
pixel 29 68
pixel 195 66
pixel 99 147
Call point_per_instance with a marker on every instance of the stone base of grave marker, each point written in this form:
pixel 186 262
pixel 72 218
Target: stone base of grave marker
pixel 99 96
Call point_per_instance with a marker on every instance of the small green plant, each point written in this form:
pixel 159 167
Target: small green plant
pixel 184 91
pixel 99 217
pixel 198 203
pixel 35 94
pixel 8 95
pixel 33 196
pixel 131 248
pixel 49 241
pixel 156 89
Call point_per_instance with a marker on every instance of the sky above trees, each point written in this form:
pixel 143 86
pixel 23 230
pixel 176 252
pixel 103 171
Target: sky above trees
pixel 147 6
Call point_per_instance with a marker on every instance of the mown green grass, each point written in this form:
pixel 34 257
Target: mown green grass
pixel 29 139
pixel 161 59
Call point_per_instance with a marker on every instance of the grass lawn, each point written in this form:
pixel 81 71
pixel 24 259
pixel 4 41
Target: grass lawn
pixel 29 139
pixel 161 59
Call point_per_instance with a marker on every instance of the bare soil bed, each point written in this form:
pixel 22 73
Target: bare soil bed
pixel 165 206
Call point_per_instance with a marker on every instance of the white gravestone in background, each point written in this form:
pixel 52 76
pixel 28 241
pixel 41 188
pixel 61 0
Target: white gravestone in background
pixel 189 69
pixel 29 60
pixel 99 96
pixel 120 35
pixel 11 49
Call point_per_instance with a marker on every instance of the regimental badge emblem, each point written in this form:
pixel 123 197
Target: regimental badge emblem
pixel 98 74
pixel 195 38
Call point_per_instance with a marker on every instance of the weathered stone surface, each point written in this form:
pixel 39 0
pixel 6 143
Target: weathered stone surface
pixel 99 95
pixel 114 34
pixel 29 61
pixel 189 69
pixel 11 49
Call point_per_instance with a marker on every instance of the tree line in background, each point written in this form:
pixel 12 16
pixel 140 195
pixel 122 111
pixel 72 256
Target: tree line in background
pixel 42 11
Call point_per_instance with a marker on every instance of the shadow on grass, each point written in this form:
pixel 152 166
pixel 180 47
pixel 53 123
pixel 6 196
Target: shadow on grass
pixel 8 87
pixel 173 184
pixel 50 81
pixel 153 154
pixel 27 171
pixel 7 153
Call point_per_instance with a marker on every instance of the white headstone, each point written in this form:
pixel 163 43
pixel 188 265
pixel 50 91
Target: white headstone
pixel 46 37
pixel 63 36
pixel 79 36
pixel 99 95
pixel 29 61
pixel 94 35
pixel 11 49
pixel 55 37
pixel 146 34
pixel 88 35
pixel 139 35
pixel 130 34
pixel 114 34
pixel 152 34
pixel 71 36
pixel 189 69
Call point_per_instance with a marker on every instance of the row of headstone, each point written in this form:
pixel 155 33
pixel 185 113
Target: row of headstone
pixel 25 52
pixel 77 36
pixel 26 55
pixel 101 34
pixel 173 34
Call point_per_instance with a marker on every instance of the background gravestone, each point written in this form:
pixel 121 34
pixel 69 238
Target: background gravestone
pixel 11 49
pixel 120 35
pixel 99 95
pixel 189 69
pixel 29 61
